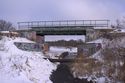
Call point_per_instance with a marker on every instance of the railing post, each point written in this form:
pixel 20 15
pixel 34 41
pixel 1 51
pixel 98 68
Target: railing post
pixel 45 23
pixel 67 22
pixel 38 24
pixel 59 23
pixel 28 25
pixel 95 23
pixel 90 22
pixel 75 22
pixel 83 22
pixel 108 23
pixel 18 25
pixel 52 23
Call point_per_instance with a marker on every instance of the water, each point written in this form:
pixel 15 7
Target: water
pixel 63 75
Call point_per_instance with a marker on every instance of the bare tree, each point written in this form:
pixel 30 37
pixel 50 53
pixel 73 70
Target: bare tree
pixel 6 26
pixel 121 22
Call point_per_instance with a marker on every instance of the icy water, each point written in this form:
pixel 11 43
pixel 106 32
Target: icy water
pixel 63 75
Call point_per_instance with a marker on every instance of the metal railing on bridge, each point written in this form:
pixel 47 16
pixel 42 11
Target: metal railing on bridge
pixel 64 23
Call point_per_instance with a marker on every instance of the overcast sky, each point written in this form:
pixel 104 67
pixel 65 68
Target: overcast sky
pixel 35 10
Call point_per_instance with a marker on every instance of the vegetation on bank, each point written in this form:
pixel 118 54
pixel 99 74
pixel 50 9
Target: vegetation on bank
pixel 63 43
pixel 109 63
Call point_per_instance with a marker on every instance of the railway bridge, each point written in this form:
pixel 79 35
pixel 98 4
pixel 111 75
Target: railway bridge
pixel 64 27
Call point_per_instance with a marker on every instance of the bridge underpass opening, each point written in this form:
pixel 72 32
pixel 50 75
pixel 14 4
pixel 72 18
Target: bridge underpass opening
pixel 64 43
pixel 52 38
pixel 55 34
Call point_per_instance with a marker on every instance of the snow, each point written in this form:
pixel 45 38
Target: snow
pixel 64 37
pixel 103 28
pixel 97 56
pixel 24 40
pixel 101 80
pixel 57 51
pixel 20 79
pixel 63 49
pixel 17 66
pixel 4 32
pixel 118 31
pixel 102 41
pixel 8 32
pixel 96 41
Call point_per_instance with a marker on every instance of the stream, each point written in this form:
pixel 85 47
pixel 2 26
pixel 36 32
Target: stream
pixel 63 75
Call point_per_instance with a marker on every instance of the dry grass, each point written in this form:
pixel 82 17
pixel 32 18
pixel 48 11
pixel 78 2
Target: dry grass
pixel 113 57
pixel 112 66
pixel 85 66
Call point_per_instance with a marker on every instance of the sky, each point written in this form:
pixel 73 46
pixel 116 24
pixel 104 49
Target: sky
pixel 38 10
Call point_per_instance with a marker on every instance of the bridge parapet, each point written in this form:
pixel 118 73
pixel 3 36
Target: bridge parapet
pixel 64 23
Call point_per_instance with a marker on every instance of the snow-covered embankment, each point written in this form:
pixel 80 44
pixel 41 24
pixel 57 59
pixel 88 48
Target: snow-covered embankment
pixel 17 66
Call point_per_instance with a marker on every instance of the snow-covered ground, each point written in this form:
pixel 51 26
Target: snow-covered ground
pixel 63 49
pixel 56 51
pixel 118 31
pixel 17 66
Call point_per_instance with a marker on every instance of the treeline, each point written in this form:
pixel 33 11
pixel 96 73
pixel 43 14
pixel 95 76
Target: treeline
pixel 72 43
pixel 6 26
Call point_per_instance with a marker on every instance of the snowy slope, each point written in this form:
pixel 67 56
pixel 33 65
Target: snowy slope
pixel 106 55
pixel 17 66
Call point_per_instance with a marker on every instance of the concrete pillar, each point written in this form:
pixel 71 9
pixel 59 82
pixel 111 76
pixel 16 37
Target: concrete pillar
pixel 29 35
pixel 46 48
pixel 40 39
pixel 92 34
pixel 89 35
